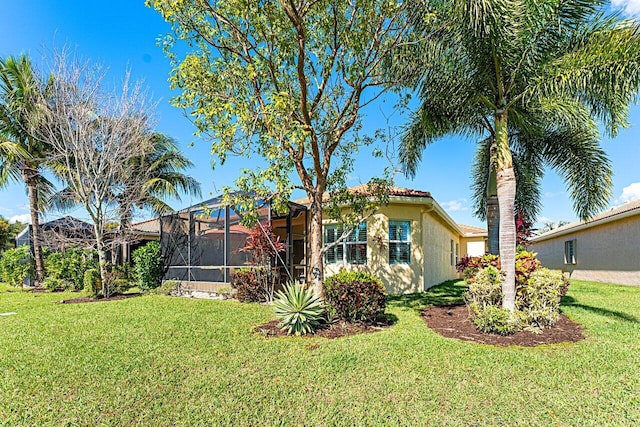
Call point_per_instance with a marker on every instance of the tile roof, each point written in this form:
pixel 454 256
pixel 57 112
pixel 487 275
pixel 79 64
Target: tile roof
pixel 470 229
pixel 364 189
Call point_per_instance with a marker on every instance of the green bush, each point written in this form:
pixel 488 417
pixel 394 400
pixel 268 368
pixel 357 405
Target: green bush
pixel 92 282
pixel 354 296
pixel 54 284
pixel 526 264
pixel 539 298
pixel 486 288
pixel 147 264
pixel 299 309
pixel 16 265
pixel 469 266
pixel 492 319
pixel 120 286
pixel 168 287
pixel 248 287
pixel 66 269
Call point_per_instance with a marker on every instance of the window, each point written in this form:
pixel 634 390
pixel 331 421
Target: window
pixel 457 253
pixel 570 252
pixel 451 253
pixel 353 247
pixel 399 242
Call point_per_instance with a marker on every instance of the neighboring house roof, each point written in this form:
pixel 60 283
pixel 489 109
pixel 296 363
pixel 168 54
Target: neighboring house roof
pixel 472 231
pixel 613 214
pixel 147 226
pixel 60 224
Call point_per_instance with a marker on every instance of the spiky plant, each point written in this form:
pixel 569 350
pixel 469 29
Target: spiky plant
pixel 299 309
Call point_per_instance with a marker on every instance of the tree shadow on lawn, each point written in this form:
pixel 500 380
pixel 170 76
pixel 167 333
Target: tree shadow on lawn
pixel 446 293
pixel 568 301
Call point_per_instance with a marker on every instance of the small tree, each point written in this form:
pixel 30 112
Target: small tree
pixel 286 81
pixel 147 264
pixel 264 245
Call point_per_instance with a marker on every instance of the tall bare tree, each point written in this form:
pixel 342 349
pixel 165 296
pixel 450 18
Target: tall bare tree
pixel 94 133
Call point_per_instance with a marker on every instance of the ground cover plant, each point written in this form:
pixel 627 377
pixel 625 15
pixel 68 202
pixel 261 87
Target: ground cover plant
pixel 157 360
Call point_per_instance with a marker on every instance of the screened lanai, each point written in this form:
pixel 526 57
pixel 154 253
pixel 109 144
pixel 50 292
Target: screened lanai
pixel 202 245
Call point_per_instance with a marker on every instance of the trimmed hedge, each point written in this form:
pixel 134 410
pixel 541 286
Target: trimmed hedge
pixel 354 296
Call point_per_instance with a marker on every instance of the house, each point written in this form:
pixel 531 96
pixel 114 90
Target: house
pixel 411 243
pixel 58 234
pixel 601 249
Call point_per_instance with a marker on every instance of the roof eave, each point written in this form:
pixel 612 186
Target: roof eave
pixel 585 225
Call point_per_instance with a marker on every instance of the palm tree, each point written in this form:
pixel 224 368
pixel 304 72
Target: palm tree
pixel 575 154
pixel 151 177
pixel 161 172
pixel 22 155
pixel 519 72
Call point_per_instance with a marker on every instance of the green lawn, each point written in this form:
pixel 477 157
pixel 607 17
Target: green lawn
pixel 157 360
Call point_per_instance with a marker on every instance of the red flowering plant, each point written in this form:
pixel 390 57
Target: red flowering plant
pixel 263 247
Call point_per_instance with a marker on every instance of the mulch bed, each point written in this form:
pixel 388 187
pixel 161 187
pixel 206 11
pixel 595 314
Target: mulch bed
pixel 81 300
pixel 453 322
pixel 331 330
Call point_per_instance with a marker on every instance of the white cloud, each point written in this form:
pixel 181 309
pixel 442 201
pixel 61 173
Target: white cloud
pixel 22 218
pixel 455 205
pixel 630 192
pixel 629 7
pixel 551 194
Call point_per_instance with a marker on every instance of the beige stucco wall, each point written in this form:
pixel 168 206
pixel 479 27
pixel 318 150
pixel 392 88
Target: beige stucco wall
pixel 604 253
pixel 465 240
pixel 430 250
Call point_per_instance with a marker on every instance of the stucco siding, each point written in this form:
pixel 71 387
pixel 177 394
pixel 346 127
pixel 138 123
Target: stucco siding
pixel 437 246
pixel 430 250
pixel 604 253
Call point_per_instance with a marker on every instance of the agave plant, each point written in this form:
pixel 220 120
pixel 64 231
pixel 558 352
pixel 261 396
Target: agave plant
pixel 299 309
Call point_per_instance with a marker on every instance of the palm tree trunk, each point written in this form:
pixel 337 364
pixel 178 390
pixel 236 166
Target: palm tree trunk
pixel 29 176
pixel 493 212
pixel 506 182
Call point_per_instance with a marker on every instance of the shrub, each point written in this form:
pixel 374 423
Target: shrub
pixel 354 296
pixel 92 283
pixel 248 287
pixel 539 298
pixel 16 265
pixel 486 288
pixel 168 287
pixel 469 266
pixel 147 264
pixel 526 263
pixel 299 309
pixel 53 284
pixel 68 267
pixel 492 319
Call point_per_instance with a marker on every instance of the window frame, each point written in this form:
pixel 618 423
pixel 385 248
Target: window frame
pixel 570 257
pixel 341 250
pixel 399 243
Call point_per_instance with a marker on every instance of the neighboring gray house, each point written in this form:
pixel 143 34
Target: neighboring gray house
pixel 59 233
pixel 603 249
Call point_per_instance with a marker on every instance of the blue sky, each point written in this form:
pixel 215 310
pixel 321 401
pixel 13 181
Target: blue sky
pixel 122 34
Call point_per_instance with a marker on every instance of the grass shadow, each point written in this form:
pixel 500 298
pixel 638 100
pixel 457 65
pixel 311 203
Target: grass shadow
pixel 446 293
pixel 568 301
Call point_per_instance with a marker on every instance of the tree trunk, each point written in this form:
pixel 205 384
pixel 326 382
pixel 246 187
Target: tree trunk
pixel 506 181
pixel 316 267
pixel 102 261
pixel 493 213
pixel 29 176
